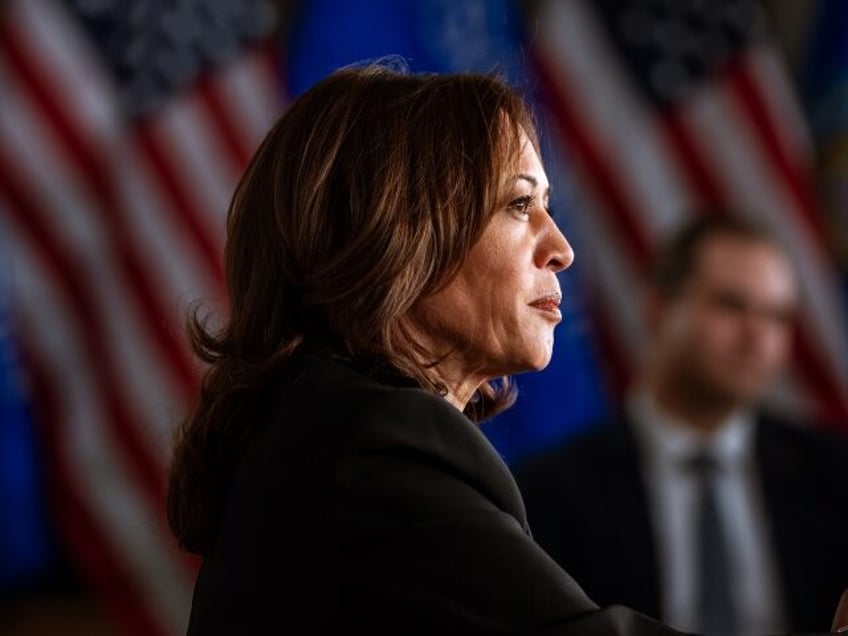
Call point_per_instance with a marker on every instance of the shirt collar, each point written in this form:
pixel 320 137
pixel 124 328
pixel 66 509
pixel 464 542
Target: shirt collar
pixel 667 440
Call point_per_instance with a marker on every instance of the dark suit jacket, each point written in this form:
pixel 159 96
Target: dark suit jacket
pixel 588 507
pixel 377 506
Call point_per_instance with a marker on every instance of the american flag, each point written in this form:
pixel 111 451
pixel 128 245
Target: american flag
pixel 664 105
pixel 123 129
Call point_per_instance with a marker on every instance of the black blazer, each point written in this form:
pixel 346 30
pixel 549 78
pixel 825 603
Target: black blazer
pixel 588 507
pixel 375 505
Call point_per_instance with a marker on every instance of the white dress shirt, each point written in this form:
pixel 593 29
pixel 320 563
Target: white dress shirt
pixel 672 496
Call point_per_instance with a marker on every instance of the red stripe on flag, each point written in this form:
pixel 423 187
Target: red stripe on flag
pixel 268 54
pixel 237 150
pixel 792 171
pixel 702 182
pixel 160 160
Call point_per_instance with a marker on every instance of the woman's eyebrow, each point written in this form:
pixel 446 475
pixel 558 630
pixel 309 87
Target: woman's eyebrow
pixel 532 181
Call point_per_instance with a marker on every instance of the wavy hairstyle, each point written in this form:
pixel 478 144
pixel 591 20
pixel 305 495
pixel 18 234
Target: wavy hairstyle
pixel 365 196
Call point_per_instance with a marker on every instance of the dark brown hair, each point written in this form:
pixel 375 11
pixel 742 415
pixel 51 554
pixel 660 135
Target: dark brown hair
pixel 678 255
pixel 364 197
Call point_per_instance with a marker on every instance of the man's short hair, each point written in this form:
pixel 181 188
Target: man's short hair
pixel 676 259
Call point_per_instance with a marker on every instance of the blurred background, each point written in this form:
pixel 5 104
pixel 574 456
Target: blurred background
pixel 124 127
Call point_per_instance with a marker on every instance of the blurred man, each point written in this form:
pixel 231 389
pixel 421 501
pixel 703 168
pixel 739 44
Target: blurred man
pixel 695 506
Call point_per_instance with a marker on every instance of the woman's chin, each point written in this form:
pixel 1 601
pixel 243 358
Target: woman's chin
pixel 536 361
pixel 542 363
pixel 545 353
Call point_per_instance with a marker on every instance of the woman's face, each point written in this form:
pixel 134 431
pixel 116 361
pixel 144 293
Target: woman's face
pixel 498 314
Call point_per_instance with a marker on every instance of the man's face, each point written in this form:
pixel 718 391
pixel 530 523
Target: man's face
pixel 727 334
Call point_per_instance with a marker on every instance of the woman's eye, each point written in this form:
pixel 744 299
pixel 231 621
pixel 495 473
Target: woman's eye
pixel 522 205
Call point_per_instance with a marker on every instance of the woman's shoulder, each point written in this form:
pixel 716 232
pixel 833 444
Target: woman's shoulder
pixel 362 408
pixel 325 382
pixel 357 419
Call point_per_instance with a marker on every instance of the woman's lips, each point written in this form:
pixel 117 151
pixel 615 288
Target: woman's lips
pixel 549 305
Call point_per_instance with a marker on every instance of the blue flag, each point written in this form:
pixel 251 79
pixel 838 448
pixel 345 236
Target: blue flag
pixel 824 88
pixel 444 36
pixel 25 549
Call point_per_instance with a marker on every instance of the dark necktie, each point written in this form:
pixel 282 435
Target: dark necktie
pixel 717 612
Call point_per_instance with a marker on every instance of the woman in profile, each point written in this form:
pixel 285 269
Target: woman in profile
pixel 390 259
